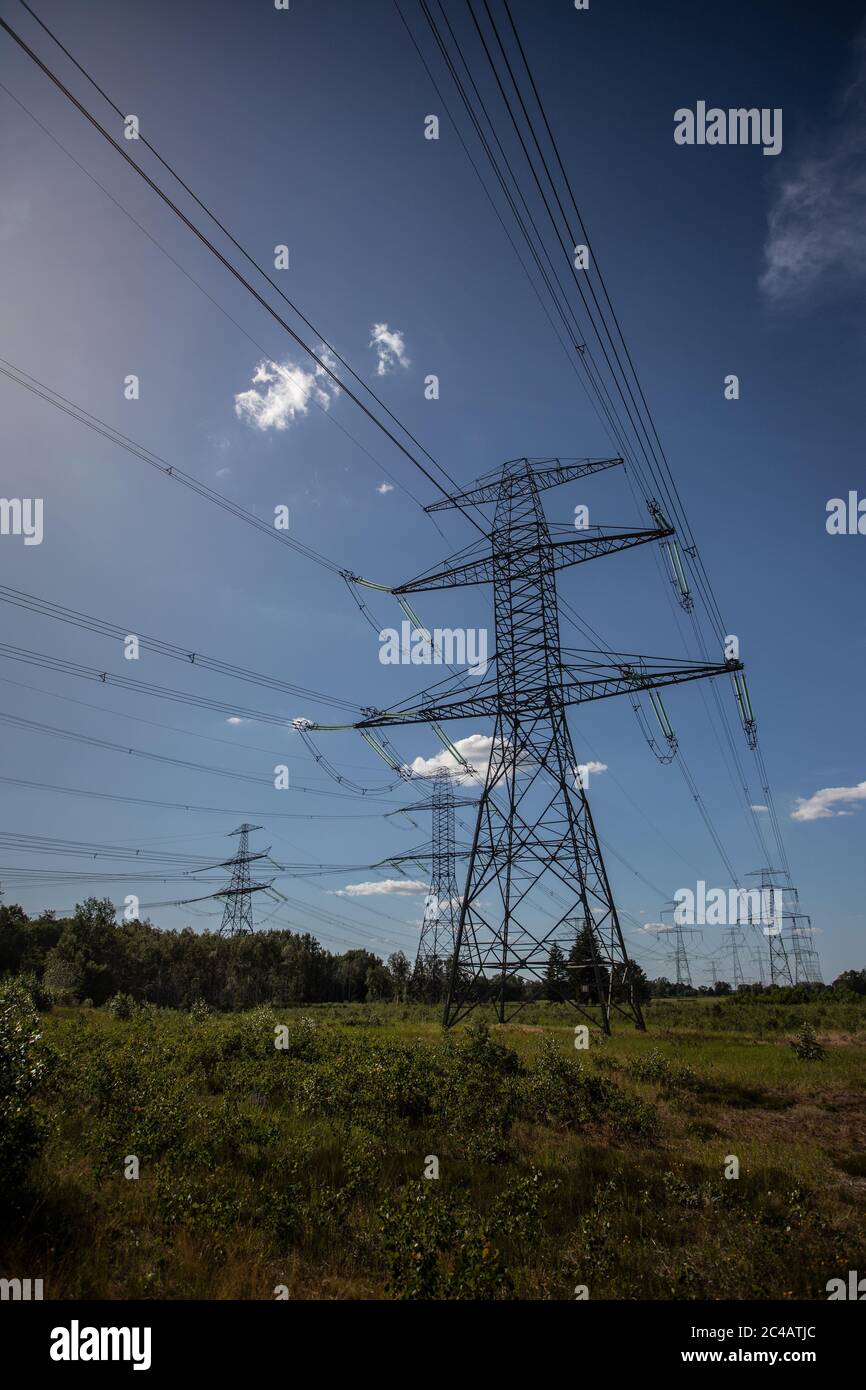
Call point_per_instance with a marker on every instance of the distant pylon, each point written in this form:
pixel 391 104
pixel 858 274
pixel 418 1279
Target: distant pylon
pixel 734 942
pixel 439 924
pixel 682 967
pixel 807 966
pixel 681 961
pixel 238 911
pixel 774 913
pixel 758 966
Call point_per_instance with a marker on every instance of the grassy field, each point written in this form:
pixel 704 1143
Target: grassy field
pixel 299 1170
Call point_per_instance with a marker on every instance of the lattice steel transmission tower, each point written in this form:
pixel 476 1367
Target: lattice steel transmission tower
pixel 238 910
pixel 807 966
pixel 534 827
pixel 682 965
pixel 735 941
pixel 439 924
pixel 775 911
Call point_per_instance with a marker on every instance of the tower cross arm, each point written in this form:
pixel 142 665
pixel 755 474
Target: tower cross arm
pixel 546 473
pixel 479 570
pixel 598 680
pixel 244 889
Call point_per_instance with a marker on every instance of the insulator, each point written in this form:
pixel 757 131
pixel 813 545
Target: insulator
pixel 745 705
pixel 675 559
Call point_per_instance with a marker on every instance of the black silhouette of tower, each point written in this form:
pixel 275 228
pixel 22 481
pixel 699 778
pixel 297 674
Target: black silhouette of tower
pixel 238 910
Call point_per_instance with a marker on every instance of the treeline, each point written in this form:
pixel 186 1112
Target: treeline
pixel 90 957
pixel 850 982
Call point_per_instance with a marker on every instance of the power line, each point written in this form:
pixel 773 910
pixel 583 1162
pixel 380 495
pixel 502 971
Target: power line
pixel 169 470
pixel 46 608
pixel 309 395
pixel 320 360
pixel 17 721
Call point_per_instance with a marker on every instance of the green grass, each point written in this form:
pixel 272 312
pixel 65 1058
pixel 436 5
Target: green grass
pixel 304 1168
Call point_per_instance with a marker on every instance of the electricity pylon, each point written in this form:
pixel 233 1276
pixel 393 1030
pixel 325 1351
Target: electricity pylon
pixel 238 910
pixel 439 924
pixel 682 966
pixel 520 847
pixel 681 959
pixel 775 912
pixel 807 966
pixel 735 941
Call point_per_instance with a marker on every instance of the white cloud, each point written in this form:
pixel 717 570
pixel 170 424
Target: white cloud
pixel 821 804
pixel 390 348
pixel 385 487
pixel 384 885
pixel 475 750
pixel 287 394
pixel 593 767
pixel 817 224
pixel 759 807
pixel 236 719
pixel 654 927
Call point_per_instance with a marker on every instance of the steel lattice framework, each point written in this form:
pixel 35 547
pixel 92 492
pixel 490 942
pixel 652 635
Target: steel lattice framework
pixel 534 829
pixel 238 910
pixel 793 960
pixel 439 924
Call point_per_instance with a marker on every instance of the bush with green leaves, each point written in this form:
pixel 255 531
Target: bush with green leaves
pixel 25 1060
pixel 475 1102
pixel 200 1011
pixel 435 1247
pixel 563 1094
pixel 121 1006
pixel 807 1046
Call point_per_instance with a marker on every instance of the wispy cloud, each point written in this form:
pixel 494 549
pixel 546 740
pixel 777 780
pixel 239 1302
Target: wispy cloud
pixel 288 392
pixel 385 487
pixel 390 348
pixel 817 223
pixel 823 804
pixel 758 807
pixel 385 885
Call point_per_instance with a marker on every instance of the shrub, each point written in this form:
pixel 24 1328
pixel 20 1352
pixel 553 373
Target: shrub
pixel 807 1046
pixel 559 1092
pixel 435 1248
pixel 121 1006
pixel 24 1062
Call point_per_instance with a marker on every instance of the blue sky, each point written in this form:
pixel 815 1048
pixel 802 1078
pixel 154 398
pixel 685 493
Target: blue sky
pixel 306 128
